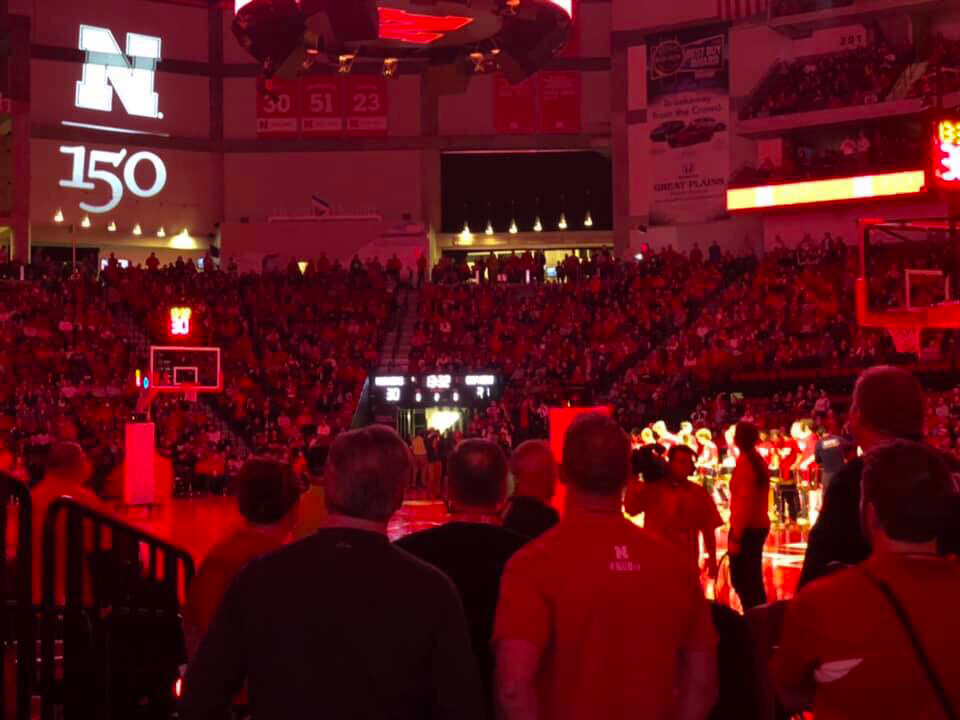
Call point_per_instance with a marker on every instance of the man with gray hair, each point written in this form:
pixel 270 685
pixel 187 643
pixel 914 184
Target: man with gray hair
pixel 341 624
pixel 887 405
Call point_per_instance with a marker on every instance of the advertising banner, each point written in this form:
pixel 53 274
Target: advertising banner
pixel 688 111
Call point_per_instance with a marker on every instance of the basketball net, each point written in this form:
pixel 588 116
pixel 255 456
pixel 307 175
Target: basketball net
pixel 190 393
pixel 906 339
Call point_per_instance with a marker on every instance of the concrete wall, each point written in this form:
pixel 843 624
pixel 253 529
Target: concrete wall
pixel 260 185
pixel 188 200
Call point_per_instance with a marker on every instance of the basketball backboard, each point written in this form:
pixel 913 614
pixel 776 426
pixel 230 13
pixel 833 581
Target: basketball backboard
pixel 182 369
pixel 909 278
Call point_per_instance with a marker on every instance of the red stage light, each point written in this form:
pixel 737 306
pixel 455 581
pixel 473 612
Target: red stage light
pixel 418 29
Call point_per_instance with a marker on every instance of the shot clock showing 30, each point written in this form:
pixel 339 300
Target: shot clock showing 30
pixel 945 153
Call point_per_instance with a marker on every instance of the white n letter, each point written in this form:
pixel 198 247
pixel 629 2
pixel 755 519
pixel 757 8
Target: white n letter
pixel 133 78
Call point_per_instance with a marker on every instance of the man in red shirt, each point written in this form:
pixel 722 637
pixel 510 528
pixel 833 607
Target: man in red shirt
pixel 788 453
pixel 677 510
pixel 267 494
pixel 598 618
pixel 846 640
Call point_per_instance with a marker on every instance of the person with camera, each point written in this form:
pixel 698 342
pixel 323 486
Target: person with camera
pixel 677 509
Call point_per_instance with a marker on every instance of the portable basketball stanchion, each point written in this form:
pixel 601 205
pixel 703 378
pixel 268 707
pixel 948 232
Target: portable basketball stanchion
pixel 139 484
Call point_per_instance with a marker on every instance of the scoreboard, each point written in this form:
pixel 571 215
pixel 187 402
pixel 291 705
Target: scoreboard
pixel 442 389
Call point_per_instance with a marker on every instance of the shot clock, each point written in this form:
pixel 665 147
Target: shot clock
pixel 945 152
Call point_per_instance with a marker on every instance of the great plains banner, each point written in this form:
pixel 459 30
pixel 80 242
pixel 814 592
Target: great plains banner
pixel 688 111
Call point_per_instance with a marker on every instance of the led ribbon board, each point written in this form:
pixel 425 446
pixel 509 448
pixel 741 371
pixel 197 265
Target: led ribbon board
pixel 861 187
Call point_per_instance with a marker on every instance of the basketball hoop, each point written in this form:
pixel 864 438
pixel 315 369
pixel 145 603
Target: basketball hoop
pixel 190 393
pixel 906 339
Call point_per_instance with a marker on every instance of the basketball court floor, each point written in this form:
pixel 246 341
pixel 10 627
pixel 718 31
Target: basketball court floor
pixel 196 524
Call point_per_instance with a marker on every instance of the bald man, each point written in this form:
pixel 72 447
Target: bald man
pixel 473 548
pixel 598 618
pixel 534 474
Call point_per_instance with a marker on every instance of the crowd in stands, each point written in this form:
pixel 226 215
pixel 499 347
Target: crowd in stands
pixel 67 365
pixel 554 343
pixel 861 76
pixel 944 56
pixel 296 349
pixel 866 150
pixel 650 337
pixel 794 311
pixel 508 610
pixel 296 345
pixel 486 622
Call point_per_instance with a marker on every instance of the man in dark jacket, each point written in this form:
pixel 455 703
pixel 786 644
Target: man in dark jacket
pixel 473 548
pixel 534 472
pixel 341 624
pixel 887 406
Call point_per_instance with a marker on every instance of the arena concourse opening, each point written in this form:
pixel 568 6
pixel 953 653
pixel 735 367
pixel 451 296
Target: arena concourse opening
pixel 461 360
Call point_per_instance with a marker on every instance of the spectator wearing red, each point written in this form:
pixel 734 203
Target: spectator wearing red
pixel 266 497
pixel 749 518
pixel 789 454
pixel 67 472
pixel 631 636
pixel 677 510
pixel 880 639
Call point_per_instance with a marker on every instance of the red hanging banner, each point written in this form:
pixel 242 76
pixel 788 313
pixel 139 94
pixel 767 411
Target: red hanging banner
pixel 278 108
pixel 321 98
pixel 559 101
pixel 513 107
pixel 366 105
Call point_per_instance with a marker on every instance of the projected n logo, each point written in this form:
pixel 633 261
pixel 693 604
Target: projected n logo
pixel 107 69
